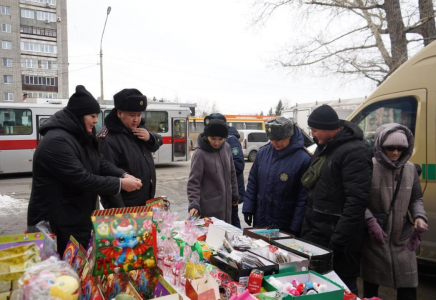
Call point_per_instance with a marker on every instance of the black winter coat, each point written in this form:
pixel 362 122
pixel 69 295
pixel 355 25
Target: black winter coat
pixel 238 159
pixel 66 181
pixel 335 213
pixel 118 145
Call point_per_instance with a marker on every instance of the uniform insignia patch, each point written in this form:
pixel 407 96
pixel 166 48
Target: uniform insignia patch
pixel 141 103
pixel 207 121
pixel 103 132
pixel 284 177
pixel 269 129
pixel 235 151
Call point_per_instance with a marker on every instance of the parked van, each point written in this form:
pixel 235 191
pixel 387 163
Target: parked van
pixel 251 141
pixel 408 97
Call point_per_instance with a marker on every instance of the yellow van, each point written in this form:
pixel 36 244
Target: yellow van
pixel 408 97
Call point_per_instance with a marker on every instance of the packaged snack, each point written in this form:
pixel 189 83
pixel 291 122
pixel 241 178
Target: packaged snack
pixel 49 279
pixel 124 240
pixel 70 251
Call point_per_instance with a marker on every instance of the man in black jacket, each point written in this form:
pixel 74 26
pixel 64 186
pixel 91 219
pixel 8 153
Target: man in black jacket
pixel 68 172
pixel 337 199
pixel 126 142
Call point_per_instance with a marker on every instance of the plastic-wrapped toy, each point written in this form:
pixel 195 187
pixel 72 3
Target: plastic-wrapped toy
pixel 49 280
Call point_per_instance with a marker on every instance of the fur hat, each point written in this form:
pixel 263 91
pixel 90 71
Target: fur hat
pixel 279 128
pixel 216 127
pixel 82 103
pixel 324 118
pixel 397 138
pixel 130 100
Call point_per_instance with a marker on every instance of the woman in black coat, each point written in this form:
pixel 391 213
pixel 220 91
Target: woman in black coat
pixel 68 172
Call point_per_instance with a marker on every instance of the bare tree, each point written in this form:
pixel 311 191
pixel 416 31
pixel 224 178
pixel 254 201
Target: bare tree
pixel 355 38
pixel 205 107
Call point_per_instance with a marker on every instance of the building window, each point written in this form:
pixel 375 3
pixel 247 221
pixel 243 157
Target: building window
pixel 6 10
pixel 35 80
pixel 53 65
pixel 41 95
pixel 7 79
pixel 27 13
pixel 7 62
pixel 9 96
pixel 43 64
pixel 6 45
pixel 44 15
pixel 38 31
pixel 50 2
pixel 6 28
pixel 36 47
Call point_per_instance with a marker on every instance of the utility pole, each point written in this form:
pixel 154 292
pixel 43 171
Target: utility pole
pixel 101 57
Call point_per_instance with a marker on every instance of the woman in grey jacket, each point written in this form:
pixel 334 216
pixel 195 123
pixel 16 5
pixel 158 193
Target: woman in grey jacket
pixel 212 185
pixel 388 255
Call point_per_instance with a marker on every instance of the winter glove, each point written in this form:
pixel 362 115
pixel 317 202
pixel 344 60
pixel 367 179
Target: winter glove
pixel 415 239
pixel 376 234
pixel 248 218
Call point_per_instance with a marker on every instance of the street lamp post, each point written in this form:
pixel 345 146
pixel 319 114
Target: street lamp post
pixel 101 57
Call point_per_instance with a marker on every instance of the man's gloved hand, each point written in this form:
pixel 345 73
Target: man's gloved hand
pixel 375 232
pixel 248 218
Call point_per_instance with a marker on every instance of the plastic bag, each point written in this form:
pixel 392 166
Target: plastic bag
pixel 51 279
pixel 50 247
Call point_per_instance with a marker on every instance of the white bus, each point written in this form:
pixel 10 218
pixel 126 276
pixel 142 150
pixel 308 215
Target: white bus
pixel 19 134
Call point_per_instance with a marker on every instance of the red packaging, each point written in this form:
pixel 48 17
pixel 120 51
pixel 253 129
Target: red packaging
pixel 255 281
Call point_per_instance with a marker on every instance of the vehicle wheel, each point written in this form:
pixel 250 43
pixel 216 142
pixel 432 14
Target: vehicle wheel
pixel 252 156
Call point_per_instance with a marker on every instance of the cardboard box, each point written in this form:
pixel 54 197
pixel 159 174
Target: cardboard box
pixel 256 233
pixel 335 291
pixel 164 289
pixel 241 275
pixel 205 288
pixel 298 263
pixel 321 263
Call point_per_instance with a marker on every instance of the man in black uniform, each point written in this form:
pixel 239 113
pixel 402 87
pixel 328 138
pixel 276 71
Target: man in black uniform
pixel 126 142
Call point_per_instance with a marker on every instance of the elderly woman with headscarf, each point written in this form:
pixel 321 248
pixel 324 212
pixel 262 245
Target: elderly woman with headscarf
pixel 388 255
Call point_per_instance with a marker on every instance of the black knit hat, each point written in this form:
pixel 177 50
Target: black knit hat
pixel 130 100
pixel 82 103
pixel 324 118
pixel 214 116
pixel 216 127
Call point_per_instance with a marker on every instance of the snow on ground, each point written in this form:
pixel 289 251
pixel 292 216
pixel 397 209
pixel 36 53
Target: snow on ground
pixel 12 220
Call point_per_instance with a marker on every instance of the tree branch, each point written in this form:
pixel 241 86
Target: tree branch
pixel 343 5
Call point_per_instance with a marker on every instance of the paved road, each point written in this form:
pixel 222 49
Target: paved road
pixel 171 182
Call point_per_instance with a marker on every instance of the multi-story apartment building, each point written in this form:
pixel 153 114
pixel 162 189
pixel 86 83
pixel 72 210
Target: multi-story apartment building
pixel 34 50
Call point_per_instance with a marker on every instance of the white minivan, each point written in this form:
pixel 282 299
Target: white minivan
pixel 251 141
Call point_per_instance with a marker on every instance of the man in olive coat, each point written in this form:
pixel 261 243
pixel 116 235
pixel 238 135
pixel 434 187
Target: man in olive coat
pixel 128 143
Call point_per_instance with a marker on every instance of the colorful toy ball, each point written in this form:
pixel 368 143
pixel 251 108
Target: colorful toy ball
pixel 309 285
pixel 295 283
pixel 294 292
pixel 65 288
pixel 300 288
